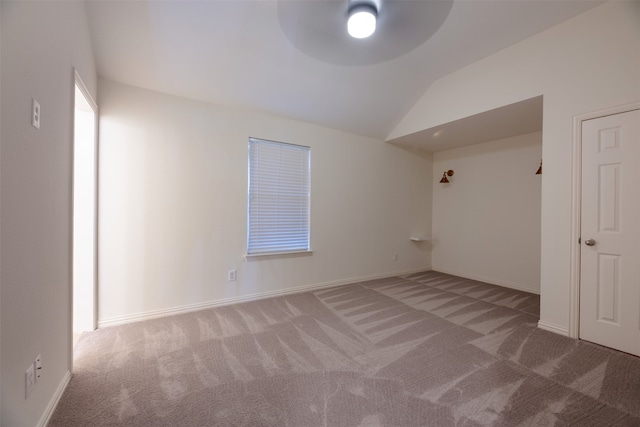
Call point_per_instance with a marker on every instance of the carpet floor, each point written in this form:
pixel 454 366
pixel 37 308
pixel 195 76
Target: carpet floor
pixel 427 349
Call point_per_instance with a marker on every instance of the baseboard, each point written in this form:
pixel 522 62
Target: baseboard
pixel 154 314
pixel 53 403
pixel 487 280
pixel 553 328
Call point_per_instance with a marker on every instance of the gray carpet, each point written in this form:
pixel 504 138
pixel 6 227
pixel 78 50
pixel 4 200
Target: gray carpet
pixel 424 350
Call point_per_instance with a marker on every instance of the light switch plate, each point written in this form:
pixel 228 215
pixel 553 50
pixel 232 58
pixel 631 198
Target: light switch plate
pixel 29 381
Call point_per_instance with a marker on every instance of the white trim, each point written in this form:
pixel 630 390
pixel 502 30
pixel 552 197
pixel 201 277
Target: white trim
pixel 553 328
pixel 96 112
pixel 154 314
pixel 79 83
pixel 487 280
pixel 250 257
pixel 55 399
pixel 84 90
pixel 576 206
pixel 576 219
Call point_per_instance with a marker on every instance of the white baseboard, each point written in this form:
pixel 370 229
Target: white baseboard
pixel 487 280
pixel 553 328
pixel 154 314
pixel 55 399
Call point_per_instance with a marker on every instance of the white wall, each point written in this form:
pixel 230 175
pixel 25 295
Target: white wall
pixel 41 42
pixel 173 198
pixel 486 221
pixel 584 64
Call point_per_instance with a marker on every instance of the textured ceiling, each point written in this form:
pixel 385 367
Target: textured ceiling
pixel 293 58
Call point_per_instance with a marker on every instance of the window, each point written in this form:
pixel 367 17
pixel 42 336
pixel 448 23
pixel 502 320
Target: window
pixel 279 196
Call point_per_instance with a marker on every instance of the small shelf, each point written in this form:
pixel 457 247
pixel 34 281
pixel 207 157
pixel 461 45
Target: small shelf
pixel 420 238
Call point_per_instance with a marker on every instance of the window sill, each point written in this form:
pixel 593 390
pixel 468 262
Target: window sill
pixel 273 255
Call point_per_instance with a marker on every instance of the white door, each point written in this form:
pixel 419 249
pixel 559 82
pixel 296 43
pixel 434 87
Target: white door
pixel 610 234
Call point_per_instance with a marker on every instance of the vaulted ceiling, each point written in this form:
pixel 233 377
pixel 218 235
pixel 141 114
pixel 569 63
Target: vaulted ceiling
pixel 295 59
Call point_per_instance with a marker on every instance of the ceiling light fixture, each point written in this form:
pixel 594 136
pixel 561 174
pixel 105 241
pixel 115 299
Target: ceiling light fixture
pixel 362 20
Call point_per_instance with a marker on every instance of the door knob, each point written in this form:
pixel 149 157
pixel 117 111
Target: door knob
pixel 589 242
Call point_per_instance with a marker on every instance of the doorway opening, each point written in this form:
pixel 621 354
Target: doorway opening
pixel 85 231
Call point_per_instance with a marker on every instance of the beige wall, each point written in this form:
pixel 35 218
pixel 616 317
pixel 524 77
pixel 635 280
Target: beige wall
pixel 486 221
pixel 584 64
pixel 0 213
pixel 41 43
pixel 173 198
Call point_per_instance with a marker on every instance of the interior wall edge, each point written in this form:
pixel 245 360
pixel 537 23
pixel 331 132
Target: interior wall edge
pixel 489 280
pixel 41 44
pixel 550 327
pixel 154 314
pixel 55 399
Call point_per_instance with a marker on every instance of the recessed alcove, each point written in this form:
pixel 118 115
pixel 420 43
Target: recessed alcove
pixel 485 220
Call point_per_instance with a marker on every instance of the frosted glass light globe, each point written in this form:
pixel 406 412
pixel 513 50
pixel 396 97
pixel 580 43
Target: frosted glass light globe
pixel 362 22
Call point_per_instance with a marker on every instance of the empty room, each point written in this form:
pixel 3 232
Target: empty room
pixel 331 212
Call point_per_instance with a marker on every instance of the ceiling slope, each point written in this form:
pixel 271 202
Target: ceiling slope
pixel 293 59
pixel 504 122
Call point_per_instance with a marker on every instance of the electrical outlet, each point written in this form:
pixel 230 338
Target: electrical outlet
pixel 38 365
pixel 35 114
pixel 29 381
pixel 231 275
pixel 395 257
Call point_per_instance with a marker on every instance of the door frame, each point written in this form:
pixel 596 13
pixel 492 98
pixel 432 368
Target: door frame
pixel 77 81
pixel 576 208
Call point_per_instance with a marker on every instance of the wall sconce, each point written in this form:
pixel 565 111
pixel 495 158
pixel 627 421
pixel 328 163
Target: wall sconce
pixel 444 179
pixel 539 171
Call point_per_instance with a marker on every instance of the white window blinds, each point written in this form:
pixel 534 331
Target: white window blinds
pixel 279 197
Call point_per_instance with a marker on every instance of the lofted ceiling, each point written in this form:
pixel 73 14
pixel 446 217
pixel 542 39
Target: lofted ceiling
pixel 509 120
pixel 294 58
